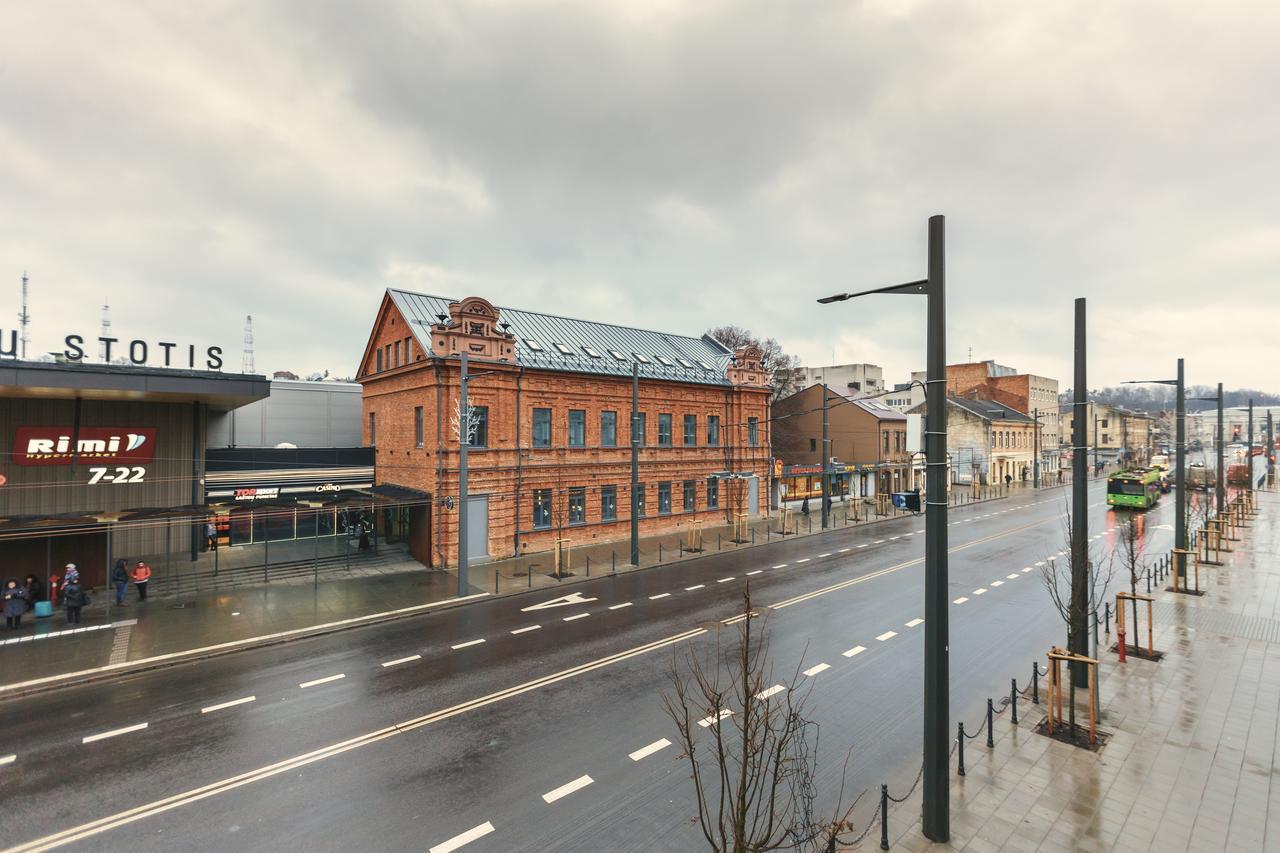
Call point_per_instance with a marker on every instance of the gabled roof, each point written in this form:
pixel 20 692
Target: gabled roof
pixel 588 343
pixel 989 409
pixel 873 405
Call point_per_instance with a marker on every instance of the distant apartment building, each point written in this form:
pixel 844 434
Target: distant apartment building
pixel 865 378
pixel 1033 395
pixel 906 395
pixel 1115 436
pixel 988 441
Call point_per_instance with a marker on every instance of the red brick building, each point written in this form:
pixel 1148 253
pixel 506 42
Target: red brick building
pixel 551 402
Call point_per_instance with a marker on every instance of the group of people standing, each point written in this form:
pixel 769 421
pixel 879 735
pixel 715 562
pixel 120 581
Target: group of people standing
pixel 17 598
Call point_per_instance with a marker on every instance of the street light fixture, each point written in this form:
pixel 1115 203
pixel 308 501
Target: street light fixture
pixel 1179 474
pixel 936 818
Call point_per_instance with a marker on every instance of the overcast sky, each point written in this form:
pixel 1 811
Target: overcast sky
pixel 672 165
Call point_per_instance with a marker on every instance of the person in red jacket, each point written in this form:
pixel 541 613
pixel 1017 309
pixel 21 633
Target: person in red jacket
pixel 141 574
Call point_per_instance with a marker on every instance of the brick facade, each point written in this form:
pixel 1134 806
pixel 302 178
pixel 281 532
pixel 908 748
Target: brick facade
pixel 410 416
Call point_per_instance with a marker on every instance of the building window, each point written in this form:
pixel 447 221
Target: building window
pixel 886 441
pixel 639 427
pixel 713 430
pixel 397 352
pixel 753 434
pixel 690 495
pixel 407 357
pixel 639 498
pixel 813 445
pixel 541 508
pixel 417 426
pixel 541 427
pixel 373 430
pixel 609 503
pixel 480 426
pixel 664 429
pixel 664 498
pixel 608 429
pixel 578 505
pixel 379 359
pixel 577 428
pixel 713 493
pixel 690 430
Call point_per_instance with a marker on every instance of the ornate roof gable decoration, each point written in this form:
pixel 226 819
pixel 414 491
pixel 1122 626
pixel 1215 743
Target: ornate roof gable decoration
pixel 748 368
pixel 473 327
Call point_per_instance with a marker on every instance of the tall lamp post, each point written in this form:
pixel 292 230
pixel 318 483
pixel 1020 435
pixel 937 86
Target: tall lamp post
pixel 936 818
pixel 1220 474
pixel 1179 473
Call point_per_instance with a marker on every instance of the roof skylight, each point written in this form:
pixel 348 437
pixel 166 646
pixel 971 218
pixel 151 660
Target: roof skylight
pixel 564 350
pixel 591 351
pixel 705 366
pixel 642 358
pixel 619 356
pixel 685 363
pixel 664 360
pixel 533 345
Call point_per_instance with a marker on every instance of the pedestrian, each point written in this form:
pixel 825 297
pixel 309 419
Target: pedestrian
pixel 1008 480
pixel 804 506
pixel 15 603
pixel 211 535
pixel 35 590
pixel 120 580
pixel 363 532
pixel 73 596
pixel 141 575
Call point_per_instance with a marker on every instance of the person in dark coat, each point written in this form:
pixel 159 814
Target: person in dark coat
pixel 804 506
pixel 15 602
pixel 120 580
pixel 35 590
pixel 73 597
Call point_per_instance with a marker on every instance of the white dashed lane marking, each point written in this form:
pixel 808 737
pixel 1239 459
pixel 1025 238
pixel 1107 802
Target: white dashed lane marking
pixel 462 839
pixel 467 643
pixel 1011 577
pixel 695 586
pixel 803 560
pixel 725 580
pixel 961 600
pixel 756 572
pixel 646 751
pixel 979 591
pixel 659 595
pixel 855 651
pixel 1027 569
pixel 997 583
pixel 526 629
pixel 769 691
pixel 707 721
pixel 863 545
pixel 780 566
pixel 620 606
pixel 7 759
pixel 820 556
pixel 914 622
pixel 113 733
pixel 843 551
pixel 231 704
pixel 399 661
pixel 814 670
pixel 576 616
pixel 887 635
pixel 304 685
pixel 567 789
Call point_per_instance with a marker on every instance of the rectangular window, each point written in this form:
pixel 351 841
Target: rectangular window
pixel 640 427
pixel 886 441
pixel 577 428
pixel 408 357
pixel 664 429
pixel 417 426
pixel 541 508
pixel 690 430
pixel 608 429
pixel 664 498
pixel 578 505
pixel 753 431
pixel 713 430
pixel 713 493
pixel 813 445
pixel 373 430
pixel 690 495
pixel 480 426
pixel 397 353
pixel 608 503
pixel 379 360
pixel 640 500
pixel 541 427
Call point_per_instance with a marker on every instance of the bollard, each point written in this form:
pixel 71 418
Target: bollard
pixel 1106 609
pixel 960 748
pixel 681 546
pixel 495 581
pixel 1013 699
pixel 588 565
pixel 1148 574
pixel 810 524
pixel 529 569
pixel 753 536
pixel 613 562
pixel 719 543
pixel 1035 683
pixel 884 817
pixel 659 552
pixel 991 715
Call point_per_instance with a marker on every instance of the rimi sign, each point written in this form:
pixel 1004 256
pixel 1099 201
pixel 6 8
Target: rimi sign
pixel 62 445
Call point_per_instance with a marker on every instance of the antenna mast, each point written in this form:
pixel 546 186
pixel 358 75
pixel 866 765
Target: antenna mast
pixel 106 331
pixel 246 364
pixel 24 318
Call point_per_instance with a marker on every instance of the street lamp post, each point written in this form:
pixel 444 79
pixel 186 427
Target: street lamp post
pixel 826 456
pixel 1035 463
pixel 1179 473
pixel 936 818
pixel 1220 475
pixel 1249 450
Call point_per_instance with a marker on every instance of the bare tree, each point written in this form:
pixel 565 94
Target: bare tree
pixel 1133 560
pixel 752 747
pixel 1057 575
pixel 783 367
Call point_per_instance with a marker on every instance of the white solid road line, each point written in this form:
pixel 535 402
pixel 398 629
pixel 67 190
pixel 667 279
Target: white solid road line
pixel 769 691
pixel 814 670
pixel 576 616
pixel 887 635
pixel 104 735
pixel 695 586
pixel 526 629
pixel 463 838
pixel 855 651
pixel 725 580
pixel 304 685
pixel 659 595
pixel 961 600
pixel 467 643
pixel 399 661
pixel 231 704
pixel 756 572
pixel 567 789
pixel 914 622
pixel 7 759
pixel 707 721
pixel 979 591
pixel 620 606
pixel 646 751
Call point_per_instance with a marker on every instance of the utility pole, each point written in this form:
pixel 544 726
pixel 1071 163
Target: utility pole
pixel 1270 445
pixel 1180 479
pixel 635 464
pixel 1221 478
pixel 1080 500
pixel 1249 449
pixel 464 439
pixel 24 317
pixel 826 455
pixel 1035 463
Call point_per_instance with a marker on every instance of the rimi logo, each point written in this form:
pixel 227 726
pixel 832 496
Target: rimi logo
pixel 63 445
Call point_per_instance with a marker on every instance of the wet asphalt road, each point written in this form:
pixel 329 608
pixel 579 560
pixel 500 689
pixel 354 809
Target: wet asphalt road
pixel 495 725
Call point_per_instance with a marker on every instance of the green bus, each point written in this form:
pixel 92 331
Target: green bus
pixel 1138 488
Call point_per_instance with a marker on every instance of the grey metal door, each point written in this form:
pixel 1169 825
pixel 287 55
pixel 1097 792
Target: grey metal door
pixel 477 527
pixel 753 495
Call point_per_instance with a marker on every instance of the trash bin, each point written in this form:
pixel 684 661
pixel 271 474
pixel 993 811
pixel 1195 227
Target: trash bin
pixel 44 609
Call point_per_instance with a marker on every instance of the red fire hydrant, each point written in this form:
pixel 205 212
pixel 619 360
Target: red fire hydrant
pixel 53 590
